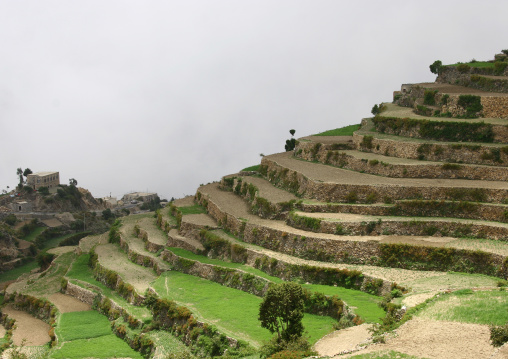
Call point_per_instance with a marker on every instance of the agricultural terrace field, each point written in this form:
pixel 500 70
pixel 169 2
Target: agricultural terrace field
pixel 466 306
pixel 81 272
pixel 232 311
pixel 365 305
pixel 343 131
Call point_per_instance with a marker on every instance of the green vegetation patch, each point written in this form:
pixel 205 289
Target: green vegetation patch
pixel 195 209
pixel 366 305
pixel 439 130
pixel 168 344
pixel 204 259
pixel 82 272
pixel 82 325
pixel 482 307
pixel 251 168
pixel 30 237
pixel 16 272
pixel 107 346
pixel 51 281
pixel 343 131
pixel 234 312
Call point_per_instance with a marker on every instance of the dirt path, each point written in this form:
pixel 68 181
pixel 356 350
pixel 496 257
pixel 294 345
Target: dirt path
pixel 66 303
pixel 342 341
pixel 35 331
pixel 438 340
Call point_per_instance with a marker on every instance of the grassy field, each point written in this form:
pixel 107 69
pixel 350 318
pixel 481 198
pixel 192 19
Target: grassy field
pixel 195 209
pixel 366 305
pixel 234 312
pixel 466 306
pixel 82 325
pixel 478 64
pixel 106 346
pixel 51 282
pixel 251 168
pixel 167 343
pixel 31 236
pixel 16 272
pixel 81 271
pixel 343 131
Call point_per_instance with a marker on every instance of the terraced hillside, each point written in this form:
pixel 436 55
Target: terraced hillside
pixel 402 225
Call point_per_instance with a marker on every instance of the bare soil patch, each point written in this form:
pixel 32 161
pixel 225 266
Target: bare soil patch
pixel 341 341
pixel 66 303
pixel 501 353
pixel 52 222
pixel 61 250
pixel 24 244
pixel 184 202
pixel 111 257
pixel 201 219
pixel 87 243
pixel 155 235
pixel 438 340
pixel 33 330
pixel 415 299
pixel 268 191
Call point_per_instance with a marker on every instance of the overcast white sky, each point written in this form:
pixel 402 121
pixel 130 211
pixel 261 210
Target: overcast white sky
pixel 166 95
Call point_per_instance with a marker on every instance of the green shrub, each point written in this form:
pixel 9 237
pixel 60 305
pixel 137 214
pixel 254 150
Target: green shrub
pixel 463 68
pixel 499 335
pixel 499 67
pixel 444 99
pixel 472 104
pixel 429 97
pixel 367 142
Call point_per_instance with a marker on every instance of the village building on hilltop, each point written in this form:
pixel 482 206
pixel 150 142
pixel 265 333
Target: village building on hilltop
pixel 43 179
pixel 139 196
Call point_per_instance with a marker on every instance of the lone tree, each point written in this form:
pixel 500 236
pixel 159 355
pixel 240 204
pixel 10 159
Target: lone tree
pixel 291 143
pixel 435 67
pixel 73 182
pixel 281 311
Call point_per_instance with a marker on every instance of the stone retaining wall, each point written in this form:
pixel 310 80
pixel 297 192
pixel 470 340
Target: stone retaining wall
pixel 461 153
pixel 338 192
pixel 306 247
pixel 421 170
pixel 480 211
pixel 180 243
pixel 229 277
pixel 412 127
pixel 410 228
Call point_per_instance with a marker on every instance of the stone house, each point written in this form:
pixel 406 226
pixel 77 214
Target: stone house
pixel 43 179
pixel 139 196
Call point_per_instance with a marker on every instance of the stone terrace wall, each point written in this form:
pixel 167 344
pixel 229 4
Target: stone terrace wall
pixel 496 107
pixel 421 170
pixel 480 211
pixel 461 153
pixel 281 241
pixel 232 278
pixel 412 228
pixel 338 192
